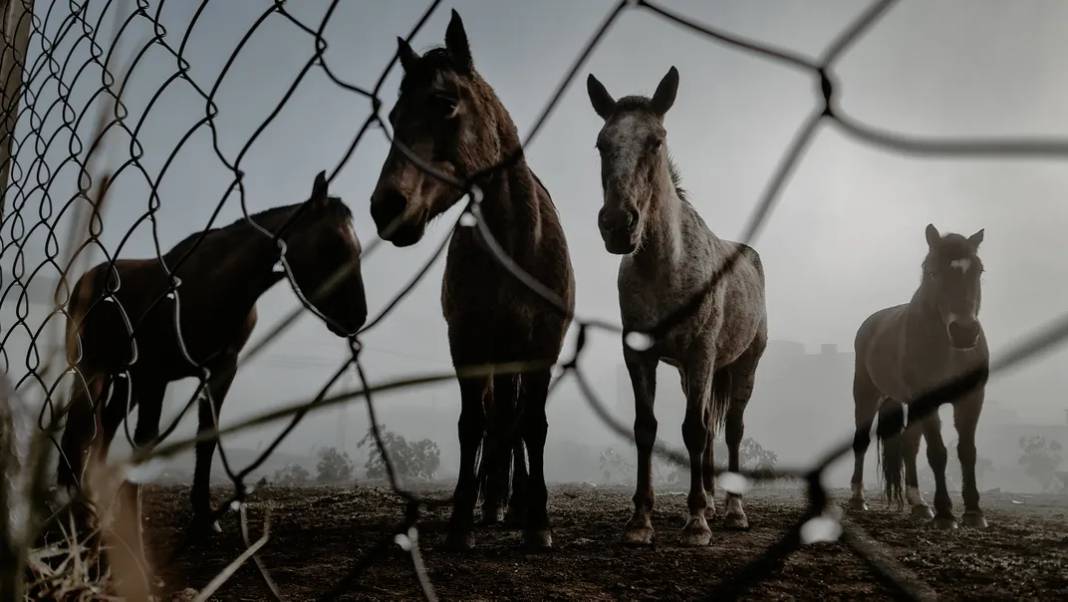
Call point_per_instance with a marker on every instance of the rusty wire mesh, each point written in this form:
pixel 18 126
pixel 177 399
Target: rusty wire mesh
pixel 31 213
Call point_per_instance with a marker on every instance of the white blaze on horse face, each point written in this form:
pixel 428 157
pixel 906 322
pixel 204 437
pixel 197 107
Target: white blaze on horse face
pixel 963 264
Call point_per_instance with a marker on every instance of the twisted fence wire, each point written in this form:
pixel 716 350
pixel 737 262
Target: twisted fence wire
pixel 34 172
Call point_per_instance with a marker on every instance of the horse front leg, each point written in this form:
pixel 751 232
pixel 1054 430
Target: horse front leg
pixel 471 428
pixel 222 375
pixel 936 456
pixel 695 433
pixel 642 369
pixel 965 419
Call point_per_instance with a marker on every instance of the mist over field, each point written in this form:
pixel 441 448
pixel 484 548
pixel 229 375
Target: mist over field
pixel 846 237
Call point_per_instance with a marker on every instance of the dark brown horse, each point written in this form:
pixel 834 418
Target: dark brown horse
pixel 669 257
pixel 200 331
pixel 450 118
pixel 908 350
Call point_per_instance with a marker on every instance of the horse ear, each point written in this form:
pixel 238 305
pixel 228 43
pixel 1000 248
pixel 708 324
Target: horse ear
pixel 407 56
pixel 976 238
pixel 318 195
pixel 456 44
pixel 602 101
pixel 664 96
pixel 933 237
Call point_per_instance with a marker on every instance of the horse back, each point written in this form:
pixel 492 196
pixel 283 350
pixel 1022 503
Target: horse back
pixel 879 348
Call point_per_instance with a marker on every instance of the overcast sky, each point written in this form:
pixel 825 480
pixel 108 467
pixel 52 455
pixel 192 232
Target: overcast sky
pixel 845 240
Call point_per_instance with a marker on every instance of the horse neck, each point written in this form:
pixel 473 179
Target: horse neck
pixel 242 258
pixel 923 322
pixel 511 202
pixel 661 244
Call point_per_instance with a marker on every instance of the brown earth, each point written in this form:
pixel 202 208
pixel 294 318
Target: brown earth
pixel 319 534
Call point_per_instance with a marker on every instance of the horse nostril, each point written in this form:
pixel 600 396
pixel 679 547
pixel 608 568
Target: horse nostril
pixel 964 333
pixel 617 219
pixel 388 206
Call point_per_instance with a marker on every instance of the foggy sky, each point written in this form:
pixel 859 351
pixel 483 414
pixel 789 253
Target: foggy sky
pixel 845 240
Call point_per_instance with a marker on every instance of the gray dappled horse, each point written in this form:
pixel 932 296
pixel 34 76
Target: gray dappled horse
pixel 669 257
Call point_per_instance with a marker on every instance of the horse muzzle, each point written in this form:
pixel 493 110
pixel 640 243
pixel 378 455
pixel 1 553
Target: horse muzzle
pixel 619 230
pixel 963 334
pixel 389 209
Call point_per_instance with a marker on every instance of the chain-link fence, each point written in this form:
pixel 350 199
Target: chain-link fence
pixel 49 97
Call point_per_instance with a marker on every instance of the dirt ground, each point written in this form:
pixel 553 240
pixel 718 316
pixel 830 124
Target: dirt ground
pixel 318 535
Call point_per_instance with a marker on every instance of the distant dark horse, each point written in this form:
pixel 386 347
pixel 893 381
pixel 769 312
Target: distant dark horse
pixel 669 256
pixel 451 119
pixel 908 350
pixel 215 311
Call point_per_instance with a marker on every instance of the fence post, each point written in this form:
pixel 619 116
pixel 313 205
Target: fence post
pixel 14 29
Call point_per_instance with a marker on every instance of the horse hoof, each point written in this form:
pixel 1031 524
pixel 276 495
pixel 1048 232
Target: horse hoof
pixel 638 536
pixel 736 521
pixel 974 519
pixel 460 541
pixel 922 512
pixel 944 523
pixel 696 533
pixel 858 505
pixel 538 539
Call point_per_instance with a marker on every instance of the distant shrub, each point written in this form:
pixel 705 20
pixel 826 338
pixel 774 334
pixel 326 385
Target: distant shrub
pixel 416 459
pixel 293 475
pixel 333 466
pixel 1040 459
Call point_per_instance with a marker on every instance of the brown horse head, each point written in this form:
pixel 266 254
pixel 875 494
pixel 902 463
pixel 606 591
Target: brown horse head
pixel 323 253
pixel 451 120
pixel 951 274
pixel 633 158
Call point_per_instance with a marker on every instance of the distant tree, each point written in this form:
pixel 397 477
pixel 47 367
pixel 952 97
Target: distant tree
pixel 751 455
pixel 1040 459
pixel 293 475
pixel 614 467
pixel 668 473
pixel 416 459
pixel 333 466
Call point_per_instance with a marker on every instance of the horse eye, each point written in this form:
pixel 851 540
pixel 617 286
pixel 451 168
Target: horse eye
pixel 444 105
pixel 654 144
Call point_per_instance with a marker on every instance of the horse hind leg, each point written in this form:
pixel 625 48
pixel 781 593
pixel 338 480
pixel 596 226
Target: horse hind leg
pixel 517 508
pixel 742 375
pixel 497 449
pixel 911 439
pixel 721 383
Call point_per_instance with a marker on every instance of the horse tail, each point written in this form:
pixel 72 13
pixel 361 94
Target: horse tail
pixel 890 428
pixel 721 399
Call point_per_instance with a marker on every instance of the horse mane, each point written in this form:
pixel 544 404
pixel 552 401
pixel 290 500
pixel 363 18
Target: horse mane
pixel 334 208
pixel 676 180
